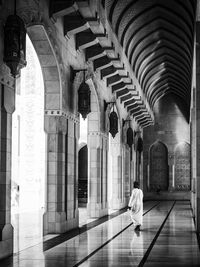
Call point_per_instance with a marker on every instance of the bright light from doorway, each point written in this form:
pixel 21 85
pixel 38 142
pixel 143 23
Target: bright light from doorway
pixel 28 154
pixel 83 130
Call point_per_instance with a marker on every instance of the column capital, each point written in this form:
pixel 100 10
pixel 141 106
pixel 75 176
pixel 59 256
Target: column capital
pixel 55 124
pixel 56 121
pixel 61 113
pixel 98 133
pixel 95 139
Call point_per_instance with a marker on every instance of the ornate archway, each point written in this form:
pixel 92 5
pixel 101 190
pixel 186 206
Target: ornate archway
pixel 55 126
pixel 28 154
pixel 50 69
pixel 159 177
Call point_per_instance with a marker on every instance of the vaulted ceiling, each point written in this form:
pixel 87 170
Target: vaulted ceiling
pixel 157 37
pixel 156 54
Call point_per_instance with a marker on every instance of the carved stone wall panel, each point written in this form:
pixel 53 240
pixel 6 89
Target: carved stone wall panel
pixel 159 179
pixel 182 167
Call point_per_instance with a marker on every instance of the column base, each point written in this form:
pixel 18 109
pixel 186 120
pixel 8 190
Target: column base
pixel 56 223
pixel 95 210
pixel 6 242
pixel 171 188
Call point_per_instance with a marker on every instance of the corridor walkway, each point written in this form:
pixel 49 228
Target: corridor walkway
pixel 167 238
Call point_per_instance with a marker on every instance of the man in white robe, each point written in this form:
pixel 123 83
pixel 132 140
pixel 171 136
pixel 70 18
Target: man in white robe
pixel 136 206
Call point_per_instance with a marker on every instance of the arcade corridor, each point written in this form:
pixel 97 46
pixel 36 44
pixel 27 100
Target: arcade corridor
pixel 97 96
pixel 167 238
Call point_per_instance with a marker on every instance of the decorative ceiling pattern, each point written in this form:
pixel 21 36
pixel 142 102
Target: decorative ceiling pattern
pixel 157 37
pixel 90 32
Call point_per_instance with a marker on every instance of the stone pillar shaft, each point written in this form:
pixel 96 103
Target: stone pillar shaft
pixel 197 137
pixel 193 154
pixel 61 207
pixel 7 98
pixel 72 174
pixel 116 201
pixel 97 175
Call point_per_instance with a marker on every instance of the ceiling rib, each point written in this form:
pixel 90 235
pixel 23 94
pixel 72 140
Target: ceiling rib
pixel 157 37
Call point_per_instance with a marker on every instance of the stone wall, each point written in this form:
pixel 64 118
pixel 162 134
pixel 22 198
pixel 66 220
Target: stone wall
pixel 162 161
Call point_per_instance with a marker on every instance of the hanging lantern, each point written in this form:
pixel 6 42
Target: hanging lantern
pixel 129 136
pixel 14 44
pixel 113 123
pixel 84 99
pixel 139 145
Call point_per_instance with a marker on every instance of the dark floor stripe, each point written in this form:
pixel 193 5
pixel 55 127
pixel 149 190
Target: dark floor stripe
pixel 48 244
pixel 155 238
pixel 151 208
pixel 109 240
pixel 57 240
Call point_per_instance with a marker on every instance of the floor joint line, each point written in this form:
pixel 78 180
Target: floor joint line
pixel 155 238
pixel 109 240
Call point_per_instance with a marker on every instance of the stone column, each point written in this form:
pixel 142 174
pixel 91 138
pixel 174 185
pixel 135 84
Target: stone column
pixel 7 98
pixel 126 173
pixel 145 170
pixel 193 151
pixel 104 170
pixel 141 172
pixel 97 204
pixel 171 173
pixel 116 201
pixel 71 173
pixel 60 197
pixel 132 167
pixel 197 137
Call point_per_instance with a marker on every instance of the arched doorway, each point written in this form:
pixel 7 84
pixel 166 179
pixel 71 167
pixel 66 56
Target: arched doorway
pixel 159 175
pixel 82 175
pixel 83 171
pixel 182 167
pixel 28 155
pixel 89 148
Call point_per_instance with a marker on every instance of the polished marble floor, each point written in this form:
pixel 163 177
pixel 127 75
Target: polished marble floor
pixel 28 232
pixel 167 238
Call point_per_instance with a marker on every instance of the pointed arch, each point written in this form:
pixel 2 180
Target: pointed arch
pixel 50 68
pixel 94 116
pixel 82 174
pixel 159 175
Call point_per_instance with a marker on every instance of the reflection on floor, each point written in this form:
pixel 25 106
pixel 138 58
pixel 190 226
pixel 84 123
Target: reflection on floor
pixel 168 238
pixel 28 229
pixel 83 217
